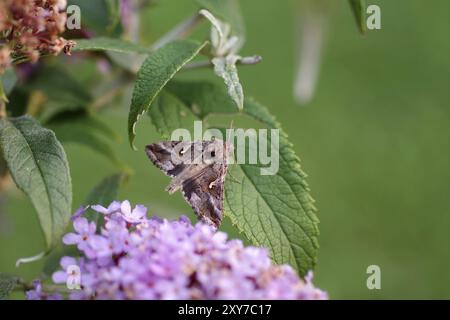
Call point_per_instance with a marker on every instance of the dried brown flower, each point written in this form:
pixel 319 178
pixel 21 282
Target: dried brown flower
pixel 30 29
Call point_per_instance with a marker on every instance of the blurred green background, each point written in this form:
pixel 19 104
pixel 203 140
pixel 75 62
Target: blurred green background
pixel 374 141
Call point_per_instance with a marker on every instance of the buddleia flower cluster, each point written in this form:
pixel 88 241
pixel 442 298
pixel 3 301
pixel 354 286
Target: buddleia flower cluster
pixel 31 28
pixel 130 256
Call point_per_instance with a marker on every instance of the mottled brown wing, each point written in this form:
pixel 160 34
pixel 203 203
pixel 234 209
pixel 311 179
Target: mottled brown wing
pixel 205 193
pixel 161 155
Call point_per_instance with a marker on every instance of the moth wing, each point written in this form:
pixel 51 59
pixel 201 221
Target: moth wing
pixel 164 154
pixel 205 193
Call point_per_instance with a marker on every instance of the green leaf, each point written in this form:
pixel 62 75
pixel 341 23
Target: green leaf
pixel 154 74
pixel 167 113
pixel 225 67
pixel 108 44
pixel 7 285
pixel 203 97
pixel 39 167
pixel 359 11
pixel 274 211
pixel 74 127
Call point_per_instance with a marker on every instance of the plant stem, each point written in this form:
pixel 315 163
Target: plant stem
pixel 180 31
pixel 245 61
pixel 48 288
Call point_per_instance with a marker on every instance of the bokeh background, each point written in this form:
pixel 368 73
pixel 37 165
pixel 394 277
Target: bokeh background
pixel 374 141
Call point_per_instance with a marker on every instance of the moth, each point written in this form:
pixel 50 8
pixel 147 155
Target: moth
pixel 198 170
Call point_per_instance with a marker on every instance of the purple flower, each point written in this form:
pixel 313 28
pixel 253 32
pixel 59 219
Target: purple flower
pixel 132 257
pixel 80 211
pixel 137 215
pixel 121 211
pixel 112 208
pixel 66 263
pixel 99 248
pixel 84 231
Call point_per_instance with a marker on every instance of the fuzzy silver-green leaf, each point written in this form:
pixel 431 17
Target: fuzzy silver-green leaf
pixel 38 164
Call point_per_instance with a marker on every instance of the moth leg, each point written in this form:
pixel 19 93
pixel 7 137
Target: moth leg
pixel 212 184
